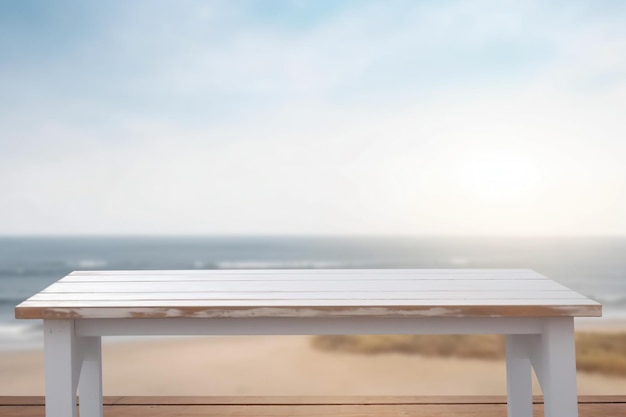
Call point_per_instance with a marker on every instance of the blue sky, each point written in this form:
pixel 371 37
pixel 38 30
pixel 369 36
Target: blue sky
pixel 312 117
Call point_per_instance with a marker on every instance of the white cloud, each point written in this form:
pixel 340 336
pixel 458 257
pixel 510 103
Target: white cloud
pixel 307 145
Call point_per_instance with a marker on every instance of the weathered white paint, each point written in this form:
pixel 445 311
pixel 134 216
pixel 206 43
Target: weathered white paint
pixel 114 311
pixel 535 312
pixel 306 293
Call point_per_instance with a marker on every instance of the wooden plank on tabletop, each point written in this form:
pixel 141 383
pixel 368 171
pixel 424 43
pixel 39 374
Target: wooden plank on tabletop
pixel 485 272
pixel 295 285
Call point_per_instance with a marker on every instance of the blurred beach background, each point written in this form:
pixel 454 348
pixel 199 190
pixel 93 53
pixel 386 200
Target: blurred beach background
pixel 159 134
pixel 308 365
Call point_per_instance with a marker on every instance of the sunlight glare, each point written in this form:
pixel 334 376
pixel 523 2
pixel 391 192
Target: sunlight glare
pixel 498 175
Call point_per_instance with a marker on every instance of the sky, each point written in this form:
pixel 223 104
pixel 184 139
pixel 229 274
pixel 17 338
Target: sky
pixel 392 117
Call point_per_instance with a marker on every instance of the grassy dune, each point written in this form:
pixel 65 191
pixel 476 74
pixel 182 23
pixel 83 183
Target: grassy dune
pixel 603 353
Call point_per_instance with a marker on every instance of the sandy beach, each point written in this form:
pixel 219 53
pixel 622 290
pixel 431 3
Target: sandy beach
pixel 275 366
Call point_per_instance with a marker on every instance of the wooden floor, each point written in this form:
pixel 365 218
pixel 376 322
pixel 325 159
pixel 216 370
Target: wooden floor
pixel 596 406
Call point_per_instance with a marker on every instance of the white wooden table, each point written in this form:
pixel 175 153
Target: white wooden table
pixel 535 313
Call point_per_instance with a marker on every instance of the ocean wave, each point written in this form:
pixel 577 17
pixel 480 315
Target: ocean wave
pixel 459 261
pixel 293 264
pixel 203 265
pixel 616 300
pixel 9 272
pixel 19 329
pixel 10 301
pixel 19 336
pixel 88 263
pixel 34 271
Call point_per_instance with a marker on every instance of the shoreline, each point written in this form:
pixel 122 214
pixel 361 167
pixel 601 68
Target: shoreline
pixel 281 365
pixel 582 324
pixel 600 324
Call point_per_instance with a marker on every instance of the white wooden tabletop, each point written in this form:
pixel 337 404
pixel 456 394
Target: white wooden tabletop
pixel 307 293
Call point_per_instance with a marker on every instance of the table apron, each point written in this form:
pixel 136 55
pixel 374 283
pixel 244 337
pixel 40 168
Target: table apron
pixel 307 326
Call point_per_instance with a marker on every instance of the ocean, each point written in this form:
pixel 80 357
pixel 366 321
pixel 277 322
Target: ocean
pixel 594 266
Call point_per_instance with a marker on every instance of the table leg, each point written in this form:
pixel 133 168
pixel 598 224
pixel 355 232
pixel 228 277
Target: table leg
pixel 518 377
pixel 90 383
pixel 553 356
pixel 62 367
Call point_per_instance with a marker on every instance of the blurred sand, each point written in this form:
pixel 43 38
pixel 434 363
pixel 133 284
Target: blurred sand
pixel 275 366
